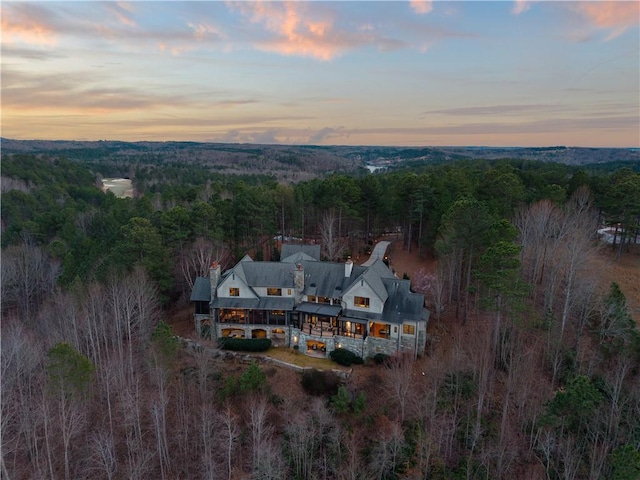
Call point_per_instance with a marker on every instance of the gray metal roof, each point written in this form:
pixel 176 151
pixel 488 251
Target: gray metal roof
pixel 234 302
pixel 289 249
pixel 361 315
pixel 269 274
pixel 319 309
pixel 275 303
pixel 324 279
pixel 201 290
pixel 402 304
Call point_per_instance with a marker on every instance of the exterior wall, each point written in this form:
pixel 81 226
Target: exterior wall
pixel 364 348
pixel 362 289
pixel 380 345
pixel 230 282
pixel 262 292
pixel 330 342
pixel 247 329
pixel 199 318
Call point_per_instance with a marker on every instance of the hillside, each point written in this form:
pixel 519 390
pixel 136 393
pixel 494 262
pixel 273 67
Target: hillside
pixel 302 162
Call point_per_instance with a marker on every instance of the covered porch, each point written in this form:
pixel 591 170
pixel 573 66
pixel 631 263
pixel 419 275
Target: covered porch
pixel 318 319
pixel 263 311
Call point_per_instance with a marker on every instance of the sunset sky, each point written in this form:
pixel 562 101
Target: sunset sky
pixel 329 73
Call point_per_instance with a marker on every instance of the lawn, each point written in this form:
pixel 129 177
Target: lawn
pixel 287 355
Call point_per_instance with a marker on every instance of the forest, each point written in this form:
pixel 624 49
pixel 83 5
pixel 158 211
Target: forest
pixel 533 363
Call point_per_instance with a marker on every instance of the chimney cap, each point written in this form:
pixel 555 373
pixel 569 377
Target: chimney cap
pixel 299 266
pixel 214 264
pixel 349 259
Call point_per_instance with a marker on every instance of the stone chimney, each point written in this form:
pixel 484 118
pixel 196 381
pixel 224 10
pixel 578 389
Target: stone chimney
pixel 214 276
pixel 298 282
pixel 348 266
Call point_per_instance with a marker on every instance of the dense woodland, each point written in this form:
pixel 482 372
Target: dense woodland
pixel 541 378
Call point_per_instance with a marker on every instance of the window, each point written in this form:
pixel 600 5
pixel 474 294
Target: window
pixel 362 302
pixel 289 291
pixel 311 298
pixel 234 292
pixel 408 329
pixel 275 292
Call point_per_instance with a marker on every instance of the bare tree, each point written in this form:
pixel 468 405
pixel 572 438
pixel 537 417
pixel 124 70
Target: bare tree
pixel 199 256
pixel 21 386
pixel 266 459
pixel 332 244
pixel 538 225
pixel 386 454
pixel 399 380
pixel 208 445
pixel 104 453
pixel 432 286
pixel 28 275
pixel 352 466
pixel 230 433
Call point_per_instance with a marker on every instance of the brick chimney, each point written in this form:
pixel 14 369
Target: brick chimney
pixel 348 266
pixel 214 276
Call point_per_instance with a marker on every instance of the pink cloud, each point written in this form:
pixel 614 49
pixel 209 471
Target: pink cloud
pixel 520 6
pixel 123 13
pixel 22 24
pixel 616 16
pixel 421 6
pixel 298 31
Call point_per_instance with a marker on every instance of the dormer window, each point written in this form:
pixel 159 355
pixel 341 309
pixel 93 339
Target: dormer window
pixel 274 292
pixel 362 302
pixel 234 292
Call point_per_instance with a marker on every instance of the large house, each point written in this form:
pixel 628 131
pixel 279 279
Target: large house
pixel 317 306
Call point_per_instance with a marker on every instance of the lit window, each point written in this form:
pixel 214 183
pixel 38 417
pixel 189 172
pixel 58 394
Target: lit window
pixel 275 292
pixel 311 298
pixel 362 302
pixel 408 329
pixel 288 291
pixel 234 292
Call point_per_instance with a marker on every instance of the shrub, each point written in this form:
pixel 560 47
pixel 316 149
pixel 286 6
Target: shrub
pixel 253 379
pixel 317 382
pixel 245 344
pixel 345 357
pixel 360 403
pixel 380 358
pixel 341 401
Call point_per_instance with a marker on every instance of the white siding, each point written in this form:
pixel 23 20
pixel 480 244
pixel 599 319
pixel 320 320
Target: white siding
pixel 262 292
pixel 231 282
pixel 362 289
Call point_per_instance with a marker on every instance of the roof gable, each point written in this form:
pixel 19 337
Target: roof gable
pixel 373 275
pixel 289 249
pixel 234 277
pixel 298 258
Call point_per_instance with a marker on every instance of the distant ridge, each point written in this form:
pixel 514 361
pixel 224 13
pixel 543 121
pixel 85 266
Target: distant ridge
pixel 308 160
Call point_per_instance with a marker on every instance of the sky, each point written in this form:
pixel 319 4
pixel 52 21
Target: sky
pixel 412 73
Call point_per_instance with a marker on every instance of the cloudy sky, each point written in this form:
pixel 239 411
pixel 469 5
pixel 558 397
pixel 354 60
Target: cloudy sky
pixel 501 73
